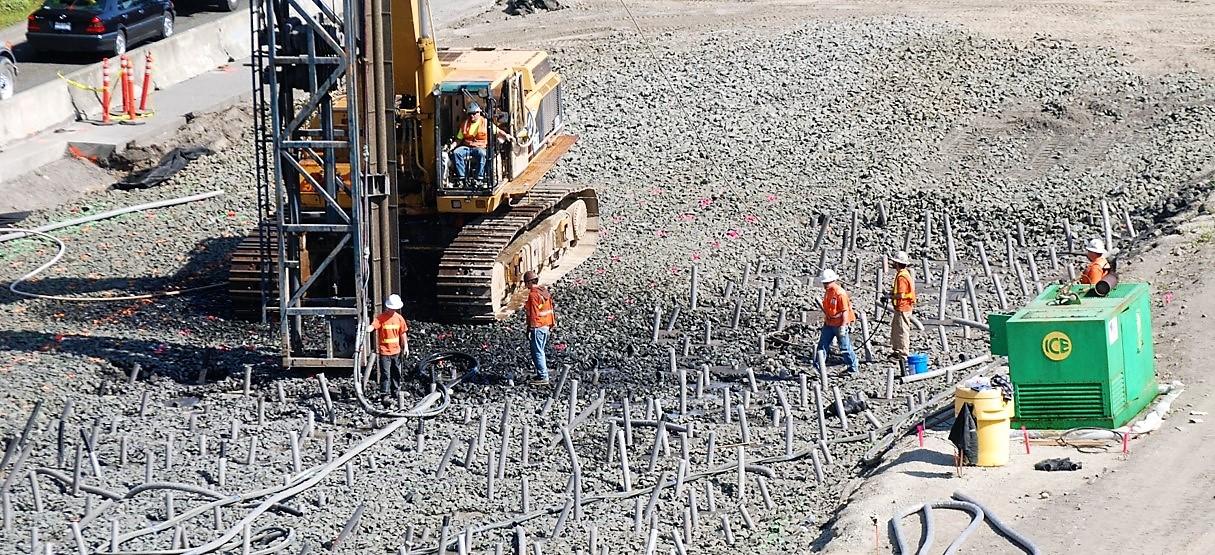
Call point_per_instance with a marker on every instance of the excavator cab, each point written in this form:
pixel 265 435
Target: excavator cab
pixel 509 149
pixel 453 110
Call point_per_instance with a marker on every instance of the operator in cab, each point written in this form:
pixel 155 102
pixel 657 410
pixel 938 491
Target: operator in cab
pixel 1098 266
pixel 471 145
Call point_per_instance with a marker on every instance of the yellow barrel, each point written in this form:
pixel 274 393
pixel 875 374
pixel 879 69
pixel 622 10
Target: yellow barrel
pixel 992 415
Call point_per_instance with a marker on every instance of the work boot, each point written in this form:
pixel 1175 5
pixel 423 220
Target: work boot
pixel 539 382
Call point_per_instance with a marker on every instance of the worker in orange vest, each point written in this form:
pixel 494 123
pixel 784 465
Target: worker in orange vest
pixel 1098 266
pixel 903 295
pixel 541 321
pixel 472 141
pixel 837 315
pixel 391 343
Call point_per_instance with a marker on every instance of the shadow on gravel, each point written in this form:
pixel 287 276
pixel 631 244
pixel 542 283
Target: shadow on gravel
pixel 206 264
pixel 175 361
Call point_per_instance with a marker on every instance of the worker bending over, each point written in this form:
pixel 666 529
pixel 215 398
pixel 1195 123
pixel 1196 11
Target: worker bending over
pixel 903 296
pixel 471 142
pixel 1098 266
pixel 392 344
pixel 837 315
pixel 541 321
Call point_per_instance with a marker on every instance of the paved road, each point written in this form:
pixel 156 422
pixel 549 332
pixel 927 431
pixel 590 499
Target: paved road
pixel 38 68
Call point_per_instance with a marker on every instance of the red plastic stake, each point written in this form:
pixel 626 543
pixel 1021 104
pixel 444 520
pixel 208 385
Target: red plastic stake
pixel 105 90
pixel 919 432
pixel 1025 436
pixel 147 82
pixel 1126 440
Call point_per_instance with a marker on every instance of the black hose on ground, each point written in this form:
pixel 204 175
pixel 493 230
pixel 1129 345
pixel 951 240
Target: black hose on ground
pixel 428 366
pixel 1011 535
pixel 900 542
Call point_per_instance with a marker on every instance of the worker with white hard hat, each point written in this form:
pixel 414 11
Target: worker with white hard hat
pixel 903 296
pixel 391 343
pixel 1098 266
pixel 837 315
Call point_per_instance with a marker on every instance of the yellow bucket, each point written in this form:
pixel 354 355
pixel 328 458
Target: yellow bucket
pixel 993 417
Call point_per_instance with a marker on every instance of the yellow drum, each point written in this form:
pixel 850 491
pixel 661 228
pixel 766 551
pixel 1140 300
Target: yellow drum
pixel 993 416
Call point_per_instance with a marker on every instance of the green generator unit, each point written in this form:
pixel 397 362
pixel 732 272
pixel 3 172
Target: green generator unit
pixel 1076 359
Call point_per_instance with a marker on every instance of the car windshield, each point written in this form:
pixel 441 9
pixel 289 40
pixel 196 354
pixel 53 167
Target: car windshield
pixel 79 5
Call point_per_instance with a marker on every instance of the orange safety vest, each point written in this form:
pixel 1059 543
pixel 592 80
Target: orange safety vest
pixel 472 133
pixel 904 291
pixel 1095 271
pixel 539 308
pixel 390 327
pixel 837 306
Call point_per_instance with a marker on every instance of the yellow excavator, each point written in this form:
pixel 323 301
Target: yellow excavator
pixel 359 117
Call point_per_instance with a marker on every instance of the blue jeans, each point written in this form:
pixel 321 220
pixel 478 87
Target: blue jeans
pixel 460 156
pixel 840 335
pixel 539 339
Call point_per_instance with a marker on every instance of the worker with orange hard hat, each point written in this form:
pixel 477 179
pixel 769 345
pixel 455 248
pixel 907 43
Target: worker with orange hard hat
pixel 837 315
pixel 391 343
pixel 541 321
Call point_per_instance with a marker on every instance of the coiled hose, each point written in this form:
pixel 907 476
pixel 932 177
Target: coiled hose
pixel 900 543
pixel 1000 527
pixel 960 502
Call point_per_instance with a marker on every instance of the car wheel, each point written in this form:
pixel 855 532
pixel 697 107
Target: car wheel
pixel 229 5
pixel 120 43
pixel 8 79
pixel 166 26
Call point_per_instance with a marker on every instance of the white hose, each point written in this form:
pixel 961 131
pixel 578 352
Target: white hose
pixel 113 213
pixel 312 477
pixel 62 249
pixel 41 232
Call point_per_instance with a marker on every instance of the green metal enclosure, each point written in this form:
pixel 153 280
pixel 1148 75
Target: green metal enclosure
pixel 1086 361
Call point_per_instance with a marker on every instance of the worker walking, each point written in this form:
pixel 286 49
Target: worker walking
pixel 391 343
pixel 837 315
pixel 541 321
pixel 903 295
pixel 1098 266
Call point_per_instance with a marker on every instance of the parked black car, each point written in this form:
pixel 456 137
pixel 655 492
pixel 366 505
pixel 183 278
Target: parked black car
pixel 8 71
pixel 107 26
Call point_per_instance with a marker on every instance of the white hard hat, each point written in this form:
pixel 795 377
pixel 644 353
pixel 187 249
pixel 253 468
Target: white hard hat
pixel 901 257
pixel 828 276
pixel 1096 246
pixel 394 302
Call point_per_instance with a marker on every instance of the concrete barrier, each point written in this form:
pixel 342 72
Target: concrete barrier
pixel 39 108
pixel 176 59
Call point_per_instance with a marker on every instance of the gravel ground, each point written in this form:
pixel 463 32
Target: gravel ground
pixel 703 157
